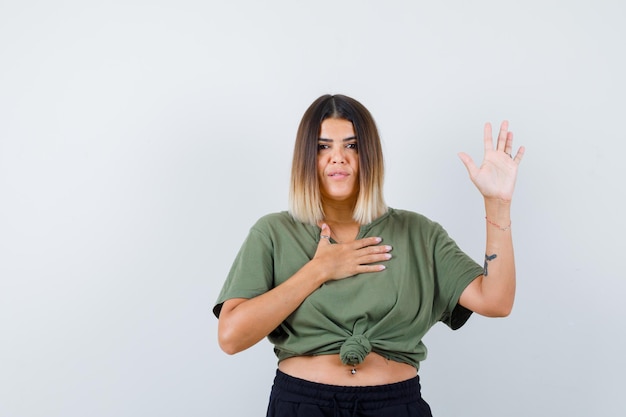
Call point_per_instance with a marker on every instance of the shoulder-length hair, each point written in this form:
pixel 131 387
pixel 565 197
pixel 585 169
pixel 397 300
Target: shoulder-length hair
pixel 305 202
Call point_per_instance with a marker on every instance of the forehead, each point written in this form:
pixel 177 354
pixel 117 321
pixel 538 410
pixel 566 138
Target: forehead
pixel 334 128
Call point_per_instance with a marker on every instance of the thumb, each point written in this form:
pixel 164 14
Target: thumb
pixel 325 233
pixel 468 162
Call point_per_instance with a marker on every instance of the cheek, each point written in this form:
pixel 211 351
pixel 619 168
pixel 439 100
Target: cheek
pixel 355 163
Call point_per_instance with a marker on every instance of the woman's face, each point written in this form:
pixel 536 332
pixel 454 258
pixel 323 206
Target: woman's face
pixel 338 160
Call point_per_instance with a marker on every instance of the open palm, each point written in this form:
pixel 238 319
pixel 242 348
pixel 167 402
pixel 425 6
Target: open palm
pixel 495 178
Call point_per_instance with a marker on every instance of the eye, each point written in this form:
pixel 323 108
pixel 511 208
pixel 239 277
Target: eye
pixel 352 146
pixel 321 146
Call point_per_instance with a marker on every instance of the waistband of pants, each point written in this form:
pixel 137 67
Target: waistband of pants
pixel 368 396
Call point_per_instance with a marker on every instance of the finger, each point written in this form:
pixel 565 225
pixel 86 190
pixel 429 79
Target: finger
pixel 377 249
pixel 379 252
pixel 487 137
pixel 368 241
pixel 508 148
pixel 519 155
pixel 469 163
pixel 325 234
pixel 377 257
pixel 504 127
pixel 362 269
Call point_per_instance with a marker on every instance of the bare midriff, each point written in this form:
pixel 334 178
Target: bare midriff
pixel 328 369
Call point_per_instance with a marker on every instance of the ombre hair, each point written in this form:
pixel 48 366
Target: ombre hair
pixel 305 202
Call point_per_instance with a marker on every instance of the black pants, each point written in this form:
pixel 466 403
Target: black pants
pixel 294 397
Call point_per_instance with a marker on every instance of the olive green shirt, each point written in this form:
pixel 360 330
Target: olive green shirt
pixel 385 312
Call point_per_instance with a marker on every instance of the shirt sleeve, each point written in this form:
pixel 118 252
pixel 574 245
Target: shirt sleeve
pixel 252 272
pixel 454 271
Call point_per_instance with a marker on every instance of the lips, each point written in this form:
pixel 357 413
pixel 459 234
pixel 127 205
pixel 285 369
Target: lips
pixel 338 174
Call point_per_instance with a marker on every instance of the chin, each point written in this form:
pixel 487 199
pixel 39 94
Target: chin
pixel 339 196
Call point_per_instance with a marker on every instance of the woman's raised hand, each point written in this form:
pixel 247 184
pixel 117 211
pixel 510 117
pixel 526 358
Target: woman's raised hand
pixel 342 260
pixel 495 178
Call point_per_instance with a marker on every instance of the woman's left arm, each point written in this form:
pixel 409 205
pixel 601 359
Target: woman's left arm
pixel 492 294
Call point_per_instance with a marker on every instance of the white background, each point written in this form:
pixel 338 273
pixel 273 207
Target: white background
pixel 140 140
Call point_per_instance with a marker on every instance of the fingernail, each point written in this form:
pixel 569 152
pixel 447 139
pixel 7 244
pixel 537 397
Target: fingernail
pixel 388 247
pixel 382 267
pixel 378 239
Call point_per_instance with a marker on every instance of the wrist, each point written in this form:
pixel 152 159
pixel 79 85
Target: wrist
pixel 498 211
pixel 317 272
pixel 497 203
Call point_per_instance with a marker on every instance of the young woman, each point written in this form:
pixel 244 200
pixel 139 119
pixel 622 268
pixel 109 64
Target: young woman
pixel 346 287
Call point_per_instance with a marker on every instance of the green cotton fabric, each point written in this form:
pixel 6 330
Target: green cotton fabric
pixel 385 312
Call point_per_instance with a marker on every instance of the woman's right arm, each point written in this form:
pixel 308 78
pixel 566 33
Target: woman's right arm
pixel 244 322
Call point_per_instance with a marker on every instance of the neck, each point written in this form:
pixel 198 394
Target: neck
pixel 338 211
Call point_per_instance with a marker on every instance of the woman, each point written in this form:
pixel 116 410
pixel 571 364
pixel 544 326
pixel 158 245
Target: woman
pixel 345 287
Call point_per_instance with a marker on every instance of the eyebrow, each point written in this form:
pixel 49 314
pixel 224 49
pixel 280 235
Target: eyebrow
pixel 344 140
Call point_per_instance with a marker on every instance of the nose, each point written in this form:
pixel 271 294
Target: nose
pixel 338 155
